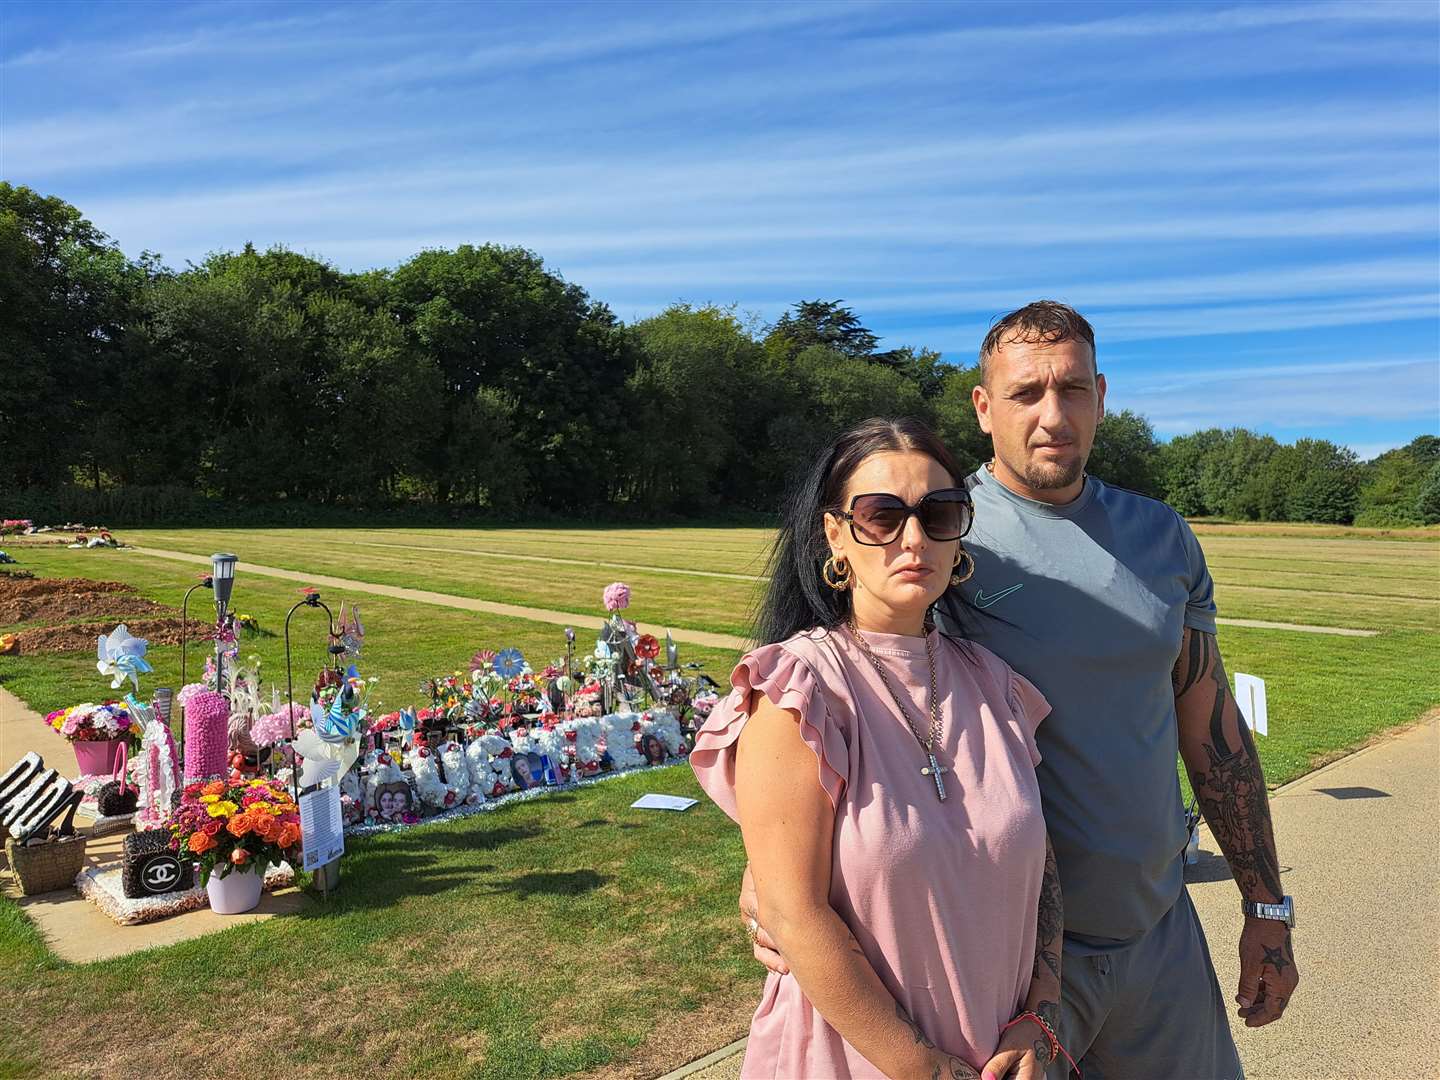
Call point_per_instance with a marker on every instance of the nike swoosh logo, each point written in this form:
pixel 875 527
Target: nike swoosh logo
pixel 983 601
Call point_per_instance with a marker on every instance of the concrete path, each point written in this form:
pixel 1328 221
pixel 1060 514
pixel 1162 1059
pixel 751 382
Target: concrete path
pixel 465 603
pixel 1359 844
pixel 567 618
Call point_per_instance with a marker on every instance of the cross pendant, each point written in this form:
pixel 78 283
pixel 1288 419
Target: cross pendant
pixel 935 771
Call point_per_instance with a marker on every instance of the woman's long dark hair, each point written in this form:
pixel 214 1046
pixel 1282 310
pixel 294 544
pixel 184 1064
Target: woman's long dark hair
pixel 798 599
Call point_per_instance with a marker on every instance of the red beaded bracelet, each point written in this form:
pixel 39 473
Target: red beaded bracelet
pixel 1055 1048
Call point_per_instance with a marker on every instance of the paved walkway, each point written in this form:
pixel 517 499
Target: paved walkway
pixel 1359 845
pixel 570 618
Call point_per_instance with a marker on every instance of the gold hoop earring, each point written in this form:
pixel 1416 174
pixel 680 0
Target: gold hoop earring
pixel 837 574
pixel 957 578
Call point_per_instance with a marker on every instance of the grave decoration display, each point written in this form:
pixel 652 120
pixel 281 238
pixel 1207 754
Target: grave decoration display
pixel 207 734
pixel 150 866
pixel 121 655
pixel 157 767
pixel 338 712
pixel 235 828
pixel 96 732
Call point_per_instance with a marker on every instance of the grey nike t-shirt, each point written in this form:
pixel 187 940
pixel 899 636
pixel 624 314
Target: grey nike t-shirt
pixel 1089 601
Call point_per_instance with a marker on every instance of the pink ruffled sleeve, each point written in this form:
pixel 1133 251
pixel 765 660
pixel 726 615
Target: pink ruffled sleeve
pixel 1029 707
pixel 790 683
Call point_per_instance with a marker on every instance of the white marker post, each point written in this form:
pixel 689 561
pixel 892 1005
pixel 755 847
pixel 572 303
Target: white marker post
pixel 1250 696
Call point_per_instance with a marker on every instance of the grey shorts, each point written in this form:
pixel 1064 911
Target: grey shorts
pixel 1151 1010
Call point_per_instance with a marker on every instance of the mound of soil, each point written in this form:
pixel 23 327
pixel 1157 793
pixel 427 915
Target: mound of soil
pixel 75 637
pixel 55 600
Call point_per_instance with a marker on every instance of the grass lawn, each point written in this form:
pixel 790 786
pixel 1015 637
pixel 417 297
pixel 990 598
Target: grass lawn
pixel 1361 582
pixel 569 934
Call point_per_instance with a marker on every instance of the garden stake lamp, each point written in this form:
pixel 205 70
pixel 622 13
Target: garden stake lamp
pixel 222 568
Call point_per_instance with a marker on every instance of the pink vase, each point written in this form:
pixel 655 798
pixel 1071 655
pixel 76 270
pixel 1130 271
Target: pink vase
pixel 238 891
pixel 97 758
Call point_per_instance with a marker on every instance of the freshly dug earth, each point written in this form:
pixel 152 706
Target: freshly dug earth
pixel 75 637
pixel 56 600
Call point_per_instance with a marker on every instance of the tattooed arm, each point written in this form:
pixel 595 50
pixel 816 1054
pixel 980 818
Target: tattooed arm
pixel 1220 756
pixel 1044 997
pixel 1024 1051
pixel 787 822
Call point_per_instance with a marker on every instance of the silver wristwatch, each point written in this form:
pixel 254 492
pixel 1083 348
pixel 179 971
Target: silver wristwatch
pixel 1283 911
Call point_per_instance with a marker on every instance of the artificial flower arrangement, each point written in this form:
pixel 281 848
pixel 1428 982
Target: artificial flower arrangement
pixel 11 526
pixel 442 775
pixel 235 827
pixel 488 755
pixel 89 722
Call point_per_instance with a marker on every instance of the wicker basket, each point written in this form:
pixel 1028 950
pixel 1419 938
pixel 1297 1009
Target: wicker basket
pixel 50 865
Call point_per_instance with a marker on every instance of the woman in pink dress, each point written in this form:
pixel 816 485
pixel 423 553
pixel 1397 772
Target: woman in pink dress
pixel 883 777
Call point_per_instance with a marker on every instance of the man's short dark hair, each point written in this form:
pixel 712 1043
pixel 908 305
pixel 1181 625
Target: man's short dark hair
pixel 1046 321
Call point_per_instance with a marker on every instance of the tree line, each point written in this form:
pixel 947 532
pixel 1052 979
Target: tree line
pixel 268 385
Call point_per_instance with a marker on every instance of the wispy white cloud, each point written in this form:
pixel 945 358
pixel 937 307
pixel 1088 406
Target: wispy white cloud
pixel 1405 392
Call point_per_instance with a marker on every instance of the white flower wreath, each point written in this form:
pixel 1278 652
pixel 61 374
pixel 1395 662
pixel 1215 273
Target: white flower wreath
pixel 441 794
pixel 488 756
pixel 621 731
pixel 457 772
pixel 582 736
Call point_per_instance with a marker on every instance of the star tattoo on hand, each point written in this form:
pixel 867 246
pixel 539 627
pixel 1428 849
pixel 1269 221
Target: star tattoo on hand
pixel 1275 958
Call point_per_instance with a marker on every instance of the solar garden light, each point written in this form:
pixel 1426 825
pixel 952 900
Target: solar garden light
pixel 222 573
pixel 222 570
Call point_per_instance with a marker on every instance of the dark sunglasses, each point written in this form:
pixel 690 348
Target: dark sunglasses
pixel 878 518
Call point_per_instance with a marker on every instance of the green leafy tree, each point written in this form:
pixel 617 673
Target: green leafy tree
pixel 1125 453
pixel 493 316
pixel 825 324
pixel 67 298
pixel 1328 485
pixel 955 420
pixel 1181 467
pixel 1230 461
pixel 1427 503
pixel 1391 485
pixel 691 366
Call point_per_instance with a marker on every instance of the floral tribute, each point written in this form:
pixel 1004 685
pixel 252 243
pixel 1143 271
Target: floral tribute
pixel 236 827
pixel 96 723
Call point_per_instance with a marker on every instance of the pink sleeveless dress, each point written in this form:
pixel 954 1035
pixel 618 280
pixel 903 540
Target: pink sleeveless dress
pixel 942 897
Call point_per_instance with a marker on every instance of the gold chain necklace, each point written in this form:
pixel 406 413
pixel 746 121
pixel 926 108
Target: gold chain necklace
pixel 934 769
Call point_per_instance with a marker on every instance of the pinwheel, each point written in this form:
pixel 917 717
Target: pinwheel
pixel 509 663
pixel 121 657
pixel 334 738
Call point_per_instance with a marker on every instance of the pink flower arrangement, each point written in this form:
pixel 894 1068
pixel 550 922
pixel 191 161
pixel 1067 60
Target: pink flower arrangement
pixel 617 596
pixel 15 525
pixel 272 727
pixel 95 723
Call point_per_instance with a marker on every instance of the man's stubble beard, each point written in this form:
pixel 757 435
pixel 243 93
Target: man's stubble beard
pixel 1050 476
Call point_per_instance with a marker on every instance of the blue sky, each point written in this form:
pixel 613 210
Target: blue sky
pixel 1242 197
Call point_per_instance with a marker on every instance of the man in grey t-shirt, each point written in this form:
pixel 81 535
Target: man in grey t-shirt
pixel 1101 598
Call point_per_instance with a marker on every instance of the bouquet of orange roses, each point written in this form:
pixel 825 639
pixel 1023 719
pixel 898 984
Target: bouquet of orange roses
pixel 242 826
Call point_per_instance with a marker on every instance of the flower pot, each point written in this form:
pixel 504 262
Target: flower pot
pixel 97 758
pixel 237 891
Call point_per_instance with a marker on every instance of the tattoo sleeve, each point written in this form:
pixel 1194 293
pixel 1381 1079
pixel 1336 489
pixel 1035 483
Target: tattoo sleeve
pixel 1224 767
pixel 1049 923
